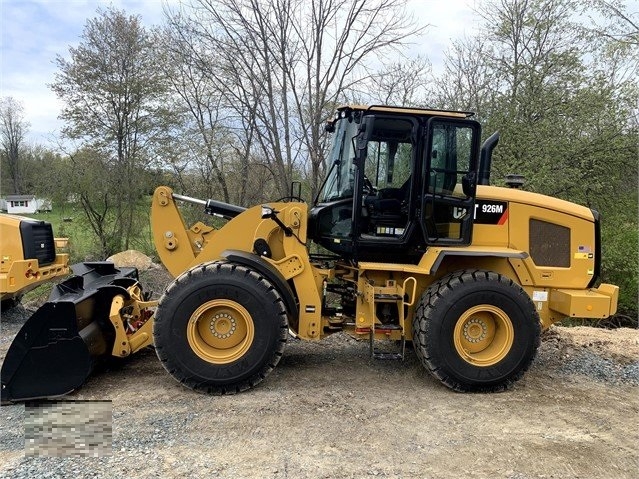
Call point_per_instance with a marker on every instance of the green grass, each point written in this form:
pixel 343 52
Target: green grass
pixel 69 221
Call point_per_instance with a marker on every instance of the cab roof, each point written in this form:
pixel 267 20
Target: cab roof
pixel 407 110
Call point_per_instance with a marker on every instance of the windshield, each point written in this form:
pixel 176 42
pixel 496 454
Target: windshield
pixel 341 177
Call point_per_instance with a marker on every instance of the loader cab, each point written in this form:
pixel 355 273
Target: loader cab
pixel 400 180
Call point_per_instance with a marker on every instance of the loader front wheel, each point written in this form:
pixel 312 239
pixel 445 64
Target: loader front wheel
pixel 220 331
pixel 476 331
pixel 220 328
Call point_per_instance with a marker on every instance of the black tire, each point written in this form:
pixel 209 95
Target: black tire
pixel 476 331
pixel 220 328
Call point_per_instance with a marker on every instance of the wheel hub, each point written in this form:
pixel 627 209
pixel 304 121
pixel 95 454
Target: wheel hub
pixel 475 330
pixel 220 331
pixel 223 326
pixel 483 335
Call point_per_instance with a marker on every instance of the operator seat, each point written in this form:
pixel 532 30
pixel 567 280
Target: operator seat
pixel 385 207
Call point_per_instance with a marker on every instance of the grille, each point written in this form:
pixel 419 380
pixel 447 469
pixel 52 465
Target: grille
pixel 549 244
pixel 37 241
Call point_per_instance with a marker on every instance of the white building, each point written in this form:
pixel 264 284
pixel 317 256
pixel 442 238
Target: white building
pixel 25 204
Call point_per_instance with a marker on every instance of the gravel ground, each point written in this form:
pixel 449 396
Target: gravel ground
pixel 328 411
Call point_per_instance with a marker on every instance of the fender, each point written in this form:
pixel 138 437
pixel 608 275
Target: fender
pixel 433 257
pixel 269 272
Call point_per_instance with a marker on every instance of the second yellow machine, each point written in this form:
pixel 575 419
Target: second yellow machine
pixel 416 247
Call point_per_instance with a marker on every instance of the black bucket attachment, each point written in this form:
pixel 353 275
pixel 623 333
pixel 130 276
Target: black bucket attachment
pixel 60 345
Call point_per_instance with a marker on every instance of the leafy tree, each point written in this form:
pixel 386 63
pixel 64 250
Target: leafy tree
pixel 113 94
pixel 39 164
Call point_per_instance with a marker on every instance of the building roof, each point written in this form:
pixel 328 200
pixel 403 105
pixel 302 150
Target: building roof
pixel 19 197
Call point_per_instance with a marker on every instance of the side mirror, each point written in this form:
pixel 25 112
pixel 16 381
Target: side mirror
pixel 469 184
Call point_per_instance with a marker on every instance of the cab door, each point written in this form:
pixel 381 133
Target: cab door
pixel 449 180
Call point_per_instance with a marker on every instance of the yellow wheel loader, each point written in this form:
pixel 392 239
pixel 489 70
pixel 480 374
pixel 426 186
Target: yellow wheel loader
pixel 416 247
pixel 28 257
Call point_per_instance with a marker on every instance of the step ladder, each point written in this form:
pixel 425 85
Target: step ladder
pixel 377 353
pixel 392 293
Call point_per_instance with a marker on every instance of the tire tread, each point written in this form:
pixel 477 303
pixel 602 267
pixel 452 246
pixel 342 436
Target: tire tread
pixel 199 272
pixel 426 314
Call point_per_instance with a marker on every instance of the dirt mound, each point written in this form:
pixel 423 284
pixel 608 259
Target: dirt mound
pixel 133 258
pixel 620 345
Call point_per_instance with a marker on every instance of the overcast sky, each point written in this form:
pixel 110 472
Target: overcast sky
pixel 35 31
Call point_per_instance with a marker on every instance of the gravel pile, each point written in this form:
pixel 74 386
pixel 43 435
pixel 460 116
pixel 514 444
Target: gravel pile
pixel 599 355
pixel 600 369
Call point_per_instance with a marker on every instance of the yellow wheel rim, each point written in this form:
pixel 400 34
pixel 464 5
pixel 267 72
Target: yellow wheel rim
pixel 220 331
pixel 483 335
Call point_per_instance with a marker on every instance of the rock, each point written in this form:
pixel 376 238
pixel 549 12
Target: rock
pixel 133 258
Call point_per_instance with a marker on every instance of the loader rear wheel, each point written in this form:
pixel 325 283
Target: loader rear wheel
pixel 220 328
pixel 476 331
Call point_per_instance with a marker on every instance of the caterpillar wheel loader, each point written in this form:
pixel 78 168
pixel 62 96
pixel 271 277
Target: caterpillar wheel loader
pixel 417 247
pixel 28 257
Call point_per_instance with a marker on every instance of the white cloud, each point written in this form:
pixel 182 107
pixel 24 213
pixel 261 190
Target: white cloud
pixel 447 21
pixel 35 31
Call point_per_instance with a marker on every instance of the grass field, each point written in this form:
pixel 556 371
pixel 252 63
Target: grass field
pixel 69 221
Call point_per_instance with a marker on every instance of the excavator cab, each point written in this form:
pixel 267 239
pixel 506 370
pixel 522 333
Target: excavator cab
pixel 400 180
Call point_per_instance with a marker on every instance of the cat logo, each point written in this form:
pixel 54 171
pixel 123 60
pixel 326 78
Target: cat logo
pixel 458 213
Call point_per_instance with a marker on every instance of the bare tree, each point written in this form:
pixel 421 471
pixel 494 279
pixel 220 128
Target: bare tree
pixel 283 64
pixel 613 30
pixel 13 129
pixel 205 123
pixel 469 79
pixel 614 21
pixel 404 83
